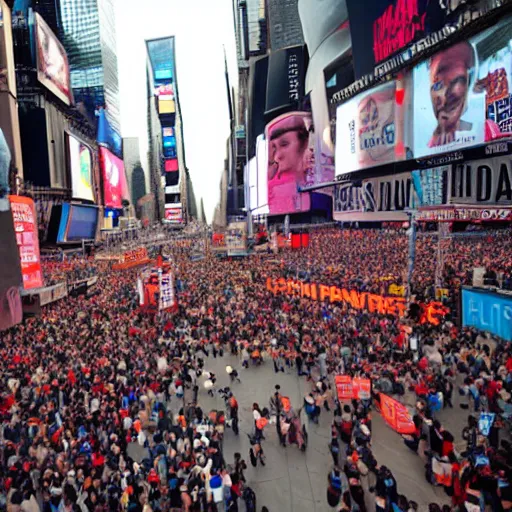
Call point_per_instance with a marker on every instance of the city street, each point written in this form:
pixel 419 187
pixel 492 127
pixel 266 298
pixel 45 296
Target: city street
pixel 296 481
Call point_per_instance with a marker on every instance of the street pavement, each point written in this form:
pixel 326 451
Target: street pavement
pixel 293 481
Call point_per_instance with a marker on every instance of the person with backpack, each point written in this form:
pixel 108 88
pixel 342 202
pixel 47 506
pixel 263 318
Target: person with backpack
pixel 335 487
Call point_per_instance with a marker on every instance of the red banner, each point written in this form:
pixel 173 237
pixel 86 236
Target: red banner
pixel 396 415
pixel 132 259
pixel 344 387
pixel 25 227
pixel 349 388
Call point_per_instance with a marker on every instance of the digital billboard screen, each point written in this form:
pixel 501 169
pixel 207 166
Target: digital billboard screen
pixel 52 62
pixel 27 239
pixel 10 270
pixel 80 162
pixel 115 188
pixel 366 130
pixel 82 223
pixel 290 162
pixel 462 94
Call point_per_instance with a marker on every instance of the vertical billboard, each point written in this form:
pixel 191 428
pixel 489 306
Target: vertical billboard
pixel 80 164
pixel 290 162
pixel 10 270
pixel 27 239
pixel 236 239
pixel 52 62
pixel 368 131
pixel 115 188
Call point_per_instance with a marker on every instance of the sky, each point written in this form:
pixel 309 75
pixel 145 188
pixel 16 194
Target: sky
pixel 202 28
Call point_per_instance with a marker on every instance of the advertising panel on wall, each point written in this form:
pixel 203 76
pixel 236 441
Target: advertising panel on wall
pixel 368 132
pixel 290 162
pixel 80 163
pixel 173 214
pixel 52 62
pixel 462 94
pixel 285 81
pixel 10 270
pixel 257 102
pixel 482 182
pixel 386 34
pixel 261 177
pixel 375 199
pixel 236 239
pixel 107 136
pixel 487 311
pixel 432 185
pixel 82 223
pixel 25 226
pixel 115 188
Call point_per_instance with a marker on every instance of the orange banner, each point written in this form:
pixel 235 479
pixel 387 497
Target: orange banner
pixel 132 259
pixel 396 415
pixel 349 388
pixel 396 306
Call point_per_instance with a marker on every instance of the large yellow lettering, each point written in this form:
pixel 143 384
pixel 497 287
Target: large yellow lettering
pixel 353 298
pixel 325 292
pixel 336 295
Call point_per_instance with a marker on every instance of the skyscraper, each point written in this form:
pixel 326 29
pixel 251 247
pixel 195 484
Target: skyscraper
pixel 88 32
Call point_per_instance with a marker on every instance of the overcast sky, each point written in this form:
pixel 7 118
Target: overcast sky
pixel 201 28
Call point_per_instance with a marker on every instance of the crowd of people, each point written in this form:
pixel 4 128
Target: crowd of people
pixel 371 259
pixel 101 405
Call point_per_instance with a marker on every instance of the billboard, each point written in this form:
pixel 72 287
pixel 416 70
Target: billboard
pixel 107 136
pixel 376 199
pixel 82 223
pixel 432 185
pixel 462 94
pixel 290 162
pixel 261 175
pixel 487 311
pixel 10 270
pixel 236 239
pixel 368 131
pixel 386 34
pixel 173 214
pixel 25 226
pixel 115 188
pixel 285 80
pixel 80 163
pixel 52 62
pixel 482 182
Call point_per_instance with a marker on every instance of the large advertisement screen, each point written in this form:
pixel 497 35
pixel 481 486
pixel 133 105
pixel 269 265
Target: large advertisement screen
pixel 52 62
pixel 387 33
pixel 462 94
pixel 368 131
pixel 173 214
pixel 115 188
pixel 290 162
pixel 82 223
pixel 80 162
pixel 262 175
pixel 27 239
pixel 488 311
pixel 10 270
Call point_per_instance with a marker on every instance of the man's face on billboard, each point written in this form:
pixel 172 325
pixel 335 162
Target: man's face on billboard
pixel 449 84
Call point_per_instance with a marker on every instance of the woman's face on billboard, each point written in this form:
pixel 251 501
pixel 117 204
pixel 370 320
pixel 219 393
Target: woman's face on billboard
pixel 287 152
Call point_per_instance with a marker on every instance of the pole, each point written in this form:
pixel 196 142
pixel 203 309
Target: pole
pixel 412 252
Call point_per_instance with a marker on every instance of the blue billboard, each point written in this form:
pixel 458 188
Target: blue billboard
pixel 488 311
